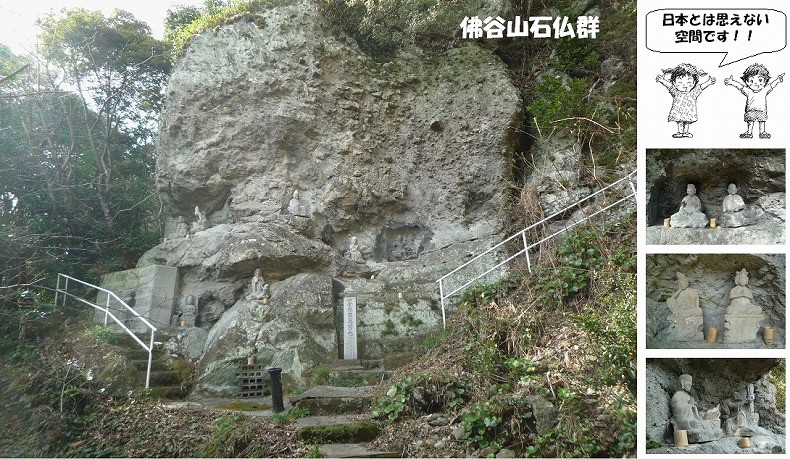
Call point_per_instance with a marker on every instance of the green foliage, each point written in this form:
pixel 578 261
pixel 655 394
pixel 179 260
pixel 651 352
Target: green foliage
pixel 381 28
pixel 290 416
pixel 579 254
pixel 314 451
pixel 233 436
pixel 104 333
pixel 652 444
pixel 481 426
pixel 523 370
pixel 215 14
pixel 610 327
pixel 77 148
pixel 778 377
pixel 423 393
pixel 559 101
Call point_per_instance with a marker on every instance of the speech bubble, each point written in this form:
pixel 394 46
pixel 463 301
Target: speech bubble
pixel 738 33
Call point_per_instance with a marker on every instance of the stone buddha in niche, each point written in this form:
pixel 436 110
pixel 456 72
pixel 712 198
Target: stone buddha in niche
pixel 690 213
pixel 733 210
pixel 743 318
pixel 685 415
pixel 685 316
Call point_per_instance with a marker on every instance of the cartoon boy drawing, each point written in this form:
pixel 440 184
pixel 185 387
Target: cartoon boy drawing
pixel 756 90
pixel 683 83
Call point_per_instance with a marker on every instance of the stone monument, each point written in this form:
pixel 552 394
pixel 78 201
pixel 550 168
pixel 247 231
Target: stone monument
pixel 690 213
pixel 353 251
pixel 200 223
pixel 733 210
pixel 259 289
pixel 685 415
pixel 743 318
pixel 686 315
pixel 741 417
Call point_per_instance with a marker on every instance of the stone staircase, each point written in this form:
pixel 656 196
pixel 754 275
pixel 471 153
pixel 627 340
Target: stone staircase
pixel 339 421
pixel 165 381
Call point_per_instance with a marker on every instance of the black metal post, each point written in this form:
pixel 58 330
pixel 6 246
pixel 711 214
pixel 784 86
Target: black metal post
pixel 277 389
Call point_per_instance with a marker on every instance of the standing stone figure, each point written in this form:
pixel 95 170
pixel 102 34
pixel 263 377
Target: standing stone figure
pixel 743 318
pixel 182 229
pixel 685 415
pixel 259 289
pixel 741 418
pixel 353 251
pixel 733 210
pixel 189 312
pixel 200 223
pixel 686 314
pixel 690 213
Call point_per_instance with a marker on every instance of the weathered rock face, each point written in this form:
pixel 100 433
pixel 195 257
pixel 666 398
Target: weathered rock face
pixel 758 174
pixel 714 380
pixel 713 277
pixel 408 156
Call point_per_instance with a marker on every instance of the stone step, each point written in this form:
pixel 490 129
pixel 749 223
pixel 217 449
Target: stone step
pixel 356 364
pixel 336 429
pixel 361 450
pixel 326 400
pixel 169 392
pixel 156 365
pixel 369 377
pixel 161 378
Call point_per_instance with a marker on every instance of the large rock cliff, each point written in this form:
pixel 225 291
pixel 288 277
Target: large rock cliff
pixel 409 155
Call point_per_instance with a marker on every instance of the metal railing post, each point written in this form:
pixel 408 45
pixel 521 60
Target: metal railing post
pixel 441 294
pixel 106 309
pixel 526 251
pixel 57 290
pixel 65 292
pixel 633 190
pixel 150 358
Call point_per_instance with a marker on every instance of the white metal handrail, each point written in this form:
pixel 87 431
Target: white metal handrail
pixel 527 246
pixel 108 313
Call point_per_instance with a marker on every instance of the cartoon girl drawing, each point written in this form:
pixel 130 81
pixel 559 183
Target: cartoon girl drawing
pixel 756 90
pixel 683 83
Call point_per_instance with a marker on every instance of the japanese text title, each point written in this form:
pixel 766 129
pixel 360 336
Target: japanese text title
pixel 533 26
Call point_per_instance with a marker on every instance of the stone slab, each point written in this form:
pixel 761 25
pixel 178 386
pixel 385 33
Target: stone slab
pixel 333 392
pixel 361 450
pixel 336 429
pixel 150 291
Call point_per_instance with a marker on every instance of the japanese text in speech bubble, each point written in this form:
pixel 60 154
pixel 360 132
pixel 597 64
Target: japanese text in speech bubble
pixel 738 33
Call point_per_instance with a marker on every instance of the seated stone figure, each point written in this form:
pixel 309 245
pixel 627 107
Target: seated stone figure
pixel 690 213
pixel 354 253
pixel 686 315
pixel 733 210
pixel 295 206
pixel 743 318
pixel 259 289
pixel 685 415
pixel 741 418
pixel 182 229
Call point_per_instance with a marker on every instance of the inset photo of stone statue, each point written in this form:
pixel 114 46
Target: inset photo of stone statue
pixel 712 301
pixel 715 406
pixel 715 196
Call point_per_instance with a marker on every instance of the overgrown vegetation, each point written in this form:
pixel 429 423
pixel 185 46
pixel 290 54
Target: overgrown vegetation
pixel 565 333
